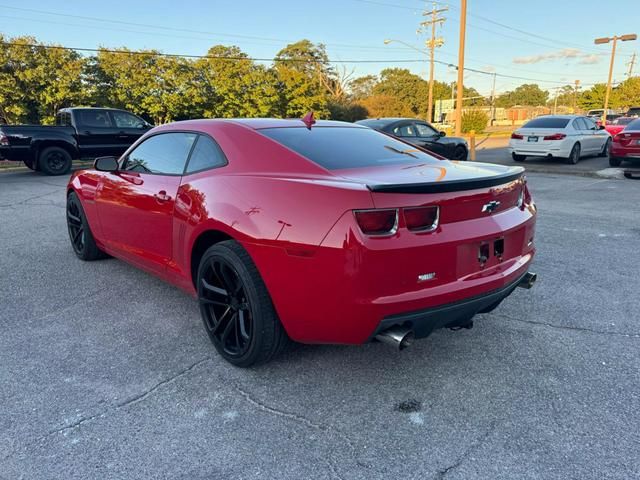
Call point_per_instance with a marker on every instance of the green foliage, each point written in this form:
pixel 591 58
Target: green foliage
pixel 346 111
pixel 386 106
pixel 528 94
pixel 474 120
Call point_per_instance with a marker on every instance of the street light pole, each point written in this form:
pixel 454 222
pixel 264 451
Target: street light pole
pixel 460 85
pixel 614 39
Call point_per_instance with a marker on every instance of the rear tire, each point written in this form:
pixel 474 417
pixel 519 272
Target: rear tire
pixel 574 156
pixel 614 161
pixel 82 241
pixel 54 161
pixel 518 158
pixel 236 308
pixel 605 148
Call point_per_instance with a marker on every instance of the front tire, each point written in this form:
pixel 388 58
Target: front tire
pixel 236 308
pixel 460 153
pixel 54 161
pixel 82 241
pixel 574 156
pixel 518 158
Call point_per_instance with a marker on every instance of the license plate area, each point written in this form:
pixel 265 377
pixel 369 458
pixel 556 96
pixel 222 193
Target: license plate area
pixel 532 139
pixel 479 255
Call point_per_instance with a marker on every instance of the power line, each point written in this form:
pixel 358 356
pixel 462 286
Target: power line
pixel 256 59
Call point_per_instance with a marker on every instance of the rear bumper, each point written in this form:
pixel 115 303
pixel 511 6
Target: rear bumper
pixel 423 322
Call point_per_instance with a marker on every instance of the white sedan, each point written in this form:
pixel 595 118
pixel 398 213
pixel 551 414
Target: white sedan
pixel 563 136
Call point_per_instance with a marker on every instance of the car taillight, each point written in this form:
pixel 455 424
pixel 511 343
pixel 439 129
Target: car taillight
pixel 624 138
pixel 377 222
pixel 421 219
pixel 516 136
pixel 555 136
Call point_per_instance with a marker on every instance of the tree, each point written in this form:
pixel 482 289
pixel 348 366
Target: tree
pixel 231 85
pixel 566 96
pixel 386 106
pixel 528 94
pixel 628 92
pixel 302 68
pixel 594 97
pixel 362 87
pixel 409 89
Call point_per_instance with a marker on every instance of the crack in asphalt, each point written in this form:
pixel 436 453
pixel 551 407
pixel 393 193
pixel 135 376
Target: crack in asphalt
pixel 130 401
pixel 299 419
pixel 566 327
pixel 472 448
pixel 23 202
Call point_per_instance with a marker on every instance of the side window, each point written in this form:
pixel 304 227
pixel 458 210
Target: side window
pixel 591 125
pixel 126 120
pixel 406 130
pixel 206 154
pixel 425 130
pixel 165 153
pixel 579 124
pixel 63 118
pixel 94 118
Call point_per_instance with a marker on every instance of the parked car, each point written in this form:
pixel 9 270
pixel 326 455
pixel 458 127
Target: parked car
pixel 625 145
pixel 421 134
pixel 334 233
pixel 563 136
pixel 78 133
pixel 618 125
pixel 633 112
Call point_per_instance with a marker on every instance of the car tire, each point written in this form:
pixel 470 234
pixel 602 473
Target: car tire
pixel 460 153
pixel 82 241
pixel 54 161
pixel 605 148
pixel 614 161
pixel 243 326
pixel 574 156
pixel 518 158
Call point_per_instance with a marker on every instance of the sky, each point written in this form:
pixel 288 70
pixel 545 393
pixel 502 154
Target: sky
pixel 542 41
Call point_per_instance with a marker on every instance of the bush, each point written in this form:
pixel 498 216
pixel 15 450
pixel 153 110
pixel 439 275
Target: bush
pixel 346 111
pixel 474 120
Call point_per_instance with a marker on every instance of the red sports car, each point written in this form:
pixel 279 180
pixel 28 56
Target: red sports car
pixel 626 144
pixel 617 125
pixel 331 233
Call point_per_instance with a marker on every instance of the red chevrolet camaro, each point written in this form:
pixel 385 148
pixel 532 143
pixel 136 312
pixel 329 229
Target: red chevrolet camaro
pixel 331 233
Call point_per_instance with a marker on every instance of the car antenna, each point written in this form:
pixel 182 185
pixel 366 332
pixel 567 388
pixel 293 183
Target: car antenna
pixel 309 120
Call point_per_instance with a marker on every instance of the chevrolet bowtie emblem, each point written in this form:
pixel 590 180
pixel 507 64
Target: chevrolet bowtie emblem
pixel 491 206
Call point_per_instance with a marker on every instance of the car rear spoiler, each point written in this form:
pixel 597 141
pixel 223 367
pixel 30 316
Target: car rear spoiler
pixel 450 186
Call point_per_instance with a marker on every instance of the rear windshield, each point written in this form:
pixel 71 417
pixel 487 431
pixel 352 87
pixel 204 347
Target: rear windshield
pixel 635 125
pixel 379 124
pixel 547 122
pixel 623 120
pixel 335 148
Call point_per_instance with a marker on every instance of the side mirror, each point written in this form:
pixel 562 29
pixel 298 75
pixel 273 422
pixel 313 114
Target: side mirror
pixel 442 133
pixel 106 164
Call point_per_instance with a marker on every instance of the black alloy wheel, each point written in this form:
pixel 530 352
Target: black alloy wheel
pixel 54 161
pixel 82 241
pixel 236 308
pixel 459 153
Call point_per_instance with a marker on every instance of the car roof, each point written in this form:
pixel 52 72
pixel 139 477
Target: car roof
pixel 68 109
pixel 260 123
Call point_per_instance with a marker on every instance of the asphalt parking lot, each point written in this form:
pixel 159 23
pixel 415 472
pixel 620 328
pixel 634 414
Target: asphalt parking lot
pixel 106 372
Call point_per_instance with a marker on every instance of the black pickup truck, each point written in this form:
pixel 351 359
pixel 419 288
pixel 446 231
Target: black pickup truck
pixel 78 133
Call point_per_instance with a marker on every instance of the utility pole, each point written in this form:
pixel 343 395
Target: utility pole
pixel 493 99
pixel 631 64
pixel 460 84
pixel 432 44
pixel 555 102
pixel 575 95
pixel 600 41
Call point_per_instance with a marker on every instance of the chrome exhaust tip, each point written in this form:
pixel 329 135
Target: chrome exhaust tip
pixel 398 337
pixel 528 280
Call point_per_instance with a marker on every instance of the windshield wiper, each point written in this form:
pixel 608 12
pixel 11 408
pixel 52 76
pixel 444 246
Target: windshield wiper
pixel 402 152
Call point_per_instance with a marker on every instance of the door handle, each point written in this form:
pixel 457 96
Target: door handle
pixel 162 196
